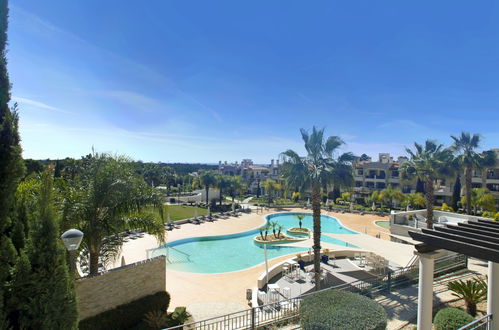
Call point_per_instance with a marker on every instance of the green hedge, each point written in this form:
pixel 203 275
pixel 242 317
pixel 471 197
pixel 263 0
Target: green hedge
pixel 334 309
pixel 127 315
pixel 451 319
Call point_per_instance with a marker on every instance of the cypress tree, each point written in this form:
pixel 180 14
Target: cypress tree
pixel 51 294
pixel 456 193
pixel 11 168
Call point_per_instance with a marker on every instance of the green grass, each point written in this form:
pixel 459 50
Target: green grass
pixel 384 224
pixel 179 212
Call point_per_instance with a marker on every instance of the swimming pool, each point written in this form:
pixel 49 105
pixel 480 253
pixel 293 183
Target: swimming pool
pixel 228 253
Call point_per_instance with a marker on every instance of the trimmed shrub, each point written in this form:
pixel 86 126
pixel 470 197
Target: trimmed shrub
pixel 334 309
pixel 128 315
pixel 451 319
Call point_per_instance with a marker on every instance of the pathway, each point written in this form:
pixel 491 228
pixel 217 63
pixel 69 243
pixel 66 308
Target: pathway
pixel 402 305
pixel 227 291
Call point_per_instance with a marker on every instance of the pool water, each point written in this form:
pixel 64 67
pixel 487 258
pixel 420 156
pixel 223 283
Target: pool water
pixel 228 253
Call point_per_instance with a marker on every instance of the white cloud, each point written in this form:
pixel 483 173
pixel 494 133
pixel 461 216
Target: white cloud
pixel 36 104
pixel 38 26
pixel 135 100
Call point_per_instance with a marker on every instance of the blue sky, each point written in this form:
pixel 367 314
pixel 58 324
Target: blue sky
pixel 202 81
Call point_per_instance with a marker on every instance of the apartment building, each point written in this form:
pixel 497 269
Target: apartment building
pixel 488 178
pixel 370 176
pixel 253 175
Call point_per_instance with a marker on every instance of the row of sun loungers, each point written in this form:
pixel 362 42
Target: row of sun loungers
pixel 199 220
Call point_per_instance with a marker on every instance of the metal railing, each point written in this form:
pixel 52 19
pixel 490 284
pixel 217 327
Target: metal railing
pixel 482 323
pixel 288 308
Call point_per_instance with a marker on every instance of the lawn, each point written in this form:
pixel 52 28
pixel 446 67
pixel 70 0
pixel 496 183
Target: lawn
pixel 383 223
pixel 179 212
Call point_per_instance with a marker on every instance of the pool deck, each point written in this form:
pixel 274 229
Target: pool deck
pixel 208 295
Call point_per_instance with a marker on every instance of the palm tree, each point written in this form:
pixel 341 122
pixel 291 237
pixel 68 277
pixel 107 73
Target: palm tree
pixel 472 291
pixel 261 229
pixel 270 187
pixel 390 194
pixel 300 218
pixel 222 183
pixel 467 144
pixel 375 198
pixel 107 199
pixel 414 200
pixel 236 187
pixel 273 225
pixel 207 179
pixel 428 162
pixel 279 229
pixel 313 171
pixel 481 198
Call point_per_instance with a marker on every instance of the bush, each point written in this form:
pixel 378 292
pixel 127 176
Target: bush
pixel 128 315
pixel 447 208
pixel 334 309
pixel 451 318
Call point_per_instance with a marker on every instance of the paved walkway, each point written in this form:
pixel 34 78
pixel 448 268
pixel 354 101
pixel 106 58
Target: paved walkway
pixel 397 253
pixel 227 291
pixel 402 305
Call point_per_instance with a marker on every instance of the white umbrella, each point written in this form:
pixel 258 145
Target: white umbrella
pixel 168 217
pixel 209 211
pixel 123 261
pixel 195 211
pixel 327 201
pixel 233 207
pixel 351 206
pixel 373 207
pixel 308 201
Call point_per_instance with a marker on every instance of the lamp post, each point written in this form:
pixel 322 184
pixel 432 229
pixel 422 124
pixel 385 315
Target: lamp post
pixel 72 239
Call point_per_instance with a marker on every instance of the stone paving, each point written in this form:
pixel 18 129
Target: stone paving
pixel 402 305
pixel 203 291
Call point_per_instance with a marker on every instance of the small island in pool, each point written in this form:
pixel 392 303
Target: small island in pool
pixel 298 231
pixel 274 239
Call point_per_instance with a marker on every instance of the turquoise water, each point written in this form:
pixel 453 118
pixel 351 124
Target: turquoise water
pixel 228 253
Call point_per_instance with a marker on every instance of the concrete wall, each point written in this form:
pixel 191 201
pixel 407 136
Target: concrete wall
pixel 120 286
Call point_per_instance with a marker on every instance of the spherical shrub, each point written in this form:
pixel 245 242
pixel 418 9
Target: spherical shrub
pixel 334 309
pixel 451 319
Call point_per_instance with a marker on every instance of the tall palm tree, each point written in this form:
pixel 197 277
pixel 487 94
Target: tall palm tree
pixel 467 144
pixel 222 183
pixel 236 187
pixel 428 162
pixel 107 199
pixel 311 173
pixel 207 179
